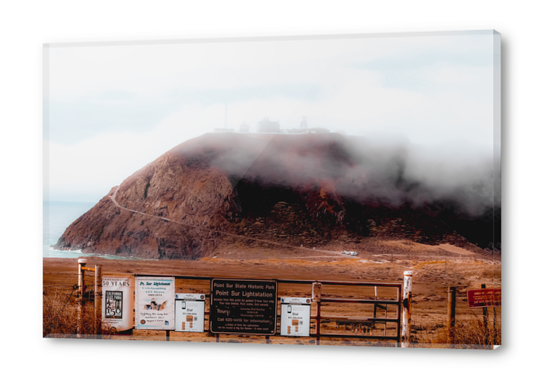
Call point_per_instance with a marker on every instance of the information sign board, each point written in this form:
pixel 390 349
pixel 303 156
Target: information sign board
pixel 295 316
pixel 154 303
pixel 118 303
pixel 189 312
pixel 243 306
pixel 484 297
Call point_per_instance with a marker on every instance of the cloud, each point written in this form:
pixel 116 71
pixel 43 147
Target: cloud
pixel 85 171
pixel 150 69
pixel 114 109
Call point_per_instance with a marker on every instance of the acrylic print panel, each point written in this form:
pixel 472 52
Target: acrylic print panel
pixel 328 190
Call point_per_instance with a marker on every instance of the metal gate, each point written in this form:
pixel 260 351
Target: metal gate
pixel 381 322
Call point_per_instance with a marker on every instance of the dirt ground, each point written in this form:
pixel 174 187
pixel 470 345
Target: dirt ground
pixel 435 269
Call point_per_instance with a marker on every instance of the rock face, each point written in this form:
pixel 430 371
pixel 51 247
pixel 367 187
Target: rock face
pixel 305 190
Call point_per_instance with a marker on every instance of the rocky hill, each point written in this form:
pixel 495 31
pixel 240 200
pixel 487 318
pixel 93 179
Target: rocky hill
pixel 309 190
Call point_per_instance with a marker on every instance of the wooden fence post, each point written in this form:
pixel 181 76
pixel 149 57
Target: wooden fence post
pixel 81 283
pixel 98 301
pixel 407 313
pixel 494 325
pixel 484 311
pixel 316 296
pixel 451 314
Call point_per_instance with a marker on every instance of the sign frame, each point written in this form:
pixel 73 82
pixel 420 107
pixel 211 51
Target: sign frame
pixel 484 298
pixel 302 302
pixel 124 283
pixel 199 299
pixel 138 303
pixel 212 305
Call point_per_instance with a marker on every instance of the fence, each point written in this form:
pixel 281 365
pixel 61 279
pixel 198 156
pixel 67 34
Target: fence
pixel 384 314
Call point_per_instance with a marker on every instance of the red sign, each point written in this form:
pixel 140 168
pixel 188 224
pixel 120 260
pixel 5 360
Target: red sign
pixel 484 297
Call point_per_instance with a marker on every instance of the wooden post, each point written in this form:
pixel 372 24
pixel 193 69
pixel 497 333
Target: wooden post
pixel 316 296
pixel 81 283
pixel 98 298
pixel 494 326
pixel 407 312
pixel 484 311
pixel 451 314
pixel 375 305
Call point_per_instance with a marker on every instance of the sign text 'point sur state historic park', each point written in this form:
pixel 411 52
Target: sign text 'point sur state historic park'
pixel 243 306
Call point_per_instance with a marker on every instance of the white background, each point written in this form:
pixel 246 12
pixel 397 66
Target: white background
pixel 26 25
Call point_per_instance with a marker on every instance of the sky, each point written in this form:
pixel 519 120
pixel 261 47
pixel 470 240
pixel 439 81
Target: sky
pixel 112 108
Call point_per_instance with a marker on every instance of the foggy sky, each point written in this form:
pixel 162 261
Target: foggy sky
pixel 111 109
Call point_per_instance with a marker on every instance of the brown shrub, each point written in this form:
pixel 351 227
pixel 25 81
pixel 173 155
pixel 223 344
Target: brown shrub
pixel 469 334
pixel 60 309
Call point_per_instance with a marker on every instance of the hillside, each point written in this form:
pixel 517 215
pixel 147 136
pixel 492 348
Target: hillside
pixel 313 190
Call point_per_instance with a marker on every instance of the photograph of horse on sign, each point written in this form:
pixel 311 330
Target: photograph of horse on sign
pixel 307 190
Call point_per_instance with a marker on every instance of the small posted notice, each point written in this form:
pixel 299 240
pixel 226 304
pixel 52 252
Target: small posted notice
pixel 484 297
pixel 155 298
pixel 295 316
pixel 118 302
pixel 189 312
pixel 113 304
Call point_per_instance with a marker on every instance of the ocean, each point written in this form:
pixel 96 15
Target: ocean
pixel 57 216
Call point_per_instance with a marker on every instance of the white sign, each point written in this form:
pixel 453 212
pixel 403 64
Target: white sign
pixel 118 302
pixel 189 312
pixel 154 303
pixel 295 316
